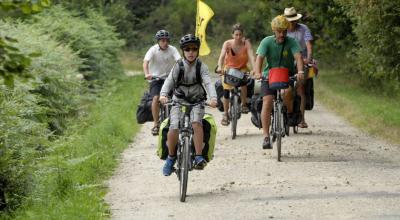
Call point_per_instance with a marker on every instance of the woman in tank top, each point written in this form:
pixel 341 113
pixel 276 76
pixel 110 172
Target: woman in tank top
pixel 235 53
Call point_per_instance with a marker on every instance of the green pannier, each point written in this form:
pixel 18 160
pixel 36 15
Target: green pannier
pixel 210 132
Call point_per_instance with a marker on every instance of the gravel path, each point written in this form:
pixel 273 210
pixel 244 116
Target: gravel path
pixel 328 171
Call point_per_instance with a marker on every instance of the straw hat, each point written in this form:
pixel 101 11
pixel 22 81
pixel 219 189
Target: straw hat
pixel 291 14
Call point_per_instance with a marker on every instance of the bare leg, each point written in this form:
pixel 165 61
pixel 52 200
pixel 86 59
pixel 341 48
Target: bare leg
pixel 288 99
pixel 172 140
pixel 226 103
pixel 266 114
pixel 301 92
pixel 155 110
pixel 243 95
pixel 198 137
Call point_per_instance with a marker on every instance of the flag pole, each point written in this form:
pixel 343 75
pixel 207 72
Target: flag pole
pixel 197 18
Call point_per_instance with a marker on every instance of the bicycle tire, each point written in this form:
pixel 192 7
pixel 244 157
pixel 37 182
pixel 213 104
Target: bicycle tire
pixel 295 129
pixel 278 131
pixel 234 115
pixel 286 121
pixel 184 169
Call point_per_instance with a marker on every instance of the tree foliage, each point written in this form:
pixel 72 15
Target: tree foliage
pixel 377 28
pixel 12 61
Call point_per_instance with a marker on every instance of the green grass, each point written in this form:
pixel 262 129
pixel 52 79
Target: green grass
pixel 364 107
pixel 132 60
pixel 70 180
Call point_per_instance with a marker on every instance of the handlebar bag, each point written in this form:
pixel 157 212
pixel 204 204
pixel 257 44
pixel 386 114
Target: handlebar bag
pixel 278 78
pixel 233 77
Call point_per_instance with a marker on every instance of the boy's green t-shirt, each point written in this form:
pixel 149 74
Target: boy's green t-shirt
pixel 271 50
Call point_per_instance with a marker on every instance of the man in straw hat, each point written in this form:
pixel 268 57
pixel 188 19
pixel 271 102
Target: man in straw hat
pixel 302 34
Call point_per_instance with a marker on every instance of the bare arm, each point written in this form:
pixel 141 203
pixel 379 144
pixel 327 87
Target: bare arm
pixel 250 54
pixel 299 63
pixel 309 51
pixel 222 56
pixel 258 66
pixel 147 74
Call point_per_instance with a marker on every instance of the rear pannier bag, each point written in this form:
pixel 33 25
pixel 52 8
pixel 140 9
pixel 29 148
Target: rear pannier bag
pixel 309 93
pixel 143 113
pixel 220 94
pixel 210 132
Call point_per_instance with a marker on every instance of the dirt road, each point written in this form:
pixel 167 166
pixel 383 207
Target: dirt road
pixel 328 171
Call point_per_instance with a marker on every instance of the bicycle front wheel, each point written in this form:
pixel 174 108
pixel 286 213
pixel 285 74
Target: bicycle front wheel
pixel 234 115
pixel 184 170
pixel 278 131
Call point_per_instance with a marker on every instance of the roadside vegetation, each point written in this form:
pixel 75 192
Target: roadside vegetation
pixel 69 183
pixel 364 106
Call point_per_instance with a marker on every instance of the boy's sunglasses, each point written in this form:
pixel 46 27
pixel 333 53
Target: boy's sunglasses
pixel 187 49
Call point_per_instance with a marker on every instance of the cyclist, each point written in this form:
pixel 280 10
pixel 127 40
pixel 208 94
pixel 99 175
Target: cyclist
pixel 187 89
pixel 157 63
pixel 302 34
pixel 235 53
pixel 270 48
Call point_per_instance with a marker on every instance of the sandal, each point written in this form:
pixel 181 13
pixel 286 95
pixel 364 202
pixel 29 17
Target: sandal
pixel 155 130
pixel 303 125
pixel 225 120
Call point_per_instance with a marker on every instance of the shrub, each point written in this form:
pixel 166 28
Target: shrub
pixel 91 37
pixel 35 109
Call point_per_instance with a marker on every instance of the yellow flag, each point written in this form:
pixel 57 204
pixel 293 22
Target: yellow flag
pixel 204 14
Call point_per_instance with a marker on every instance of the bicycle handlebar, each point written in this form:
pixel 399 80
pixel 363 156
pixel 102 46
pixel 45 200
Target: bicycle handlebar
pixel 155 78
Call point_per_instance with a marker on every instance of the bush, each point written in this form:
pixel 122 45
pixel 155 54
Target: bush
pixel 36 108
pixel 22 140
pixel 377 30
pixel 91 37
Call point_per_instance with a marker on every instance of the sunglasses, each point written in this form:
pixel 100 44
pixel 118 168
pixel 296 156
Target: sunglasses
pixel 187 49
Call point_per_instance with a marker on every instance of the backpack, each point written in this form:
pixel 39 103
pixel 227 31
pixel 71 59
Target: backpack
pixel 210 134
pixel 199 81
pixel 143 113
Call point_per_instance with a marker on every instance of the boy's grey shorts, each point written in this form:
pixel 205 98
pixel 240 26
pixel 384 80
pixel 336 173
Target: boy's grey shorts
pixel 196 115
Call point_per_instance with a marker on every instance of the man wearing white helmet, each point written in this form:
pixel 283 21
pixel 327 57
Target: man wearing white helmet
pixel 157 64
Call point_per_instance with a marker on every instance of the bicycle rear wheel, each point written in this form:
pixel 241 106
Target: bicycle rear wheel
pixel 184 169
pixel 234 115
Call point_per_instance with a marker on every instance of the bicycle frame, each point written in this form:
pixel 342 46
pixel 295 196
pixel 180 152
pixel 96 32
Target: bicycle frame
pixel 279 120
pixel 185 149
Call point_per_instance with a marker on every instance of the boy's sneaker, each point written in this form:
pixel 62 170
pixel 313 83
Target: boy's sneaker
pixel 199 162
pixel 266 143
pixel 169 166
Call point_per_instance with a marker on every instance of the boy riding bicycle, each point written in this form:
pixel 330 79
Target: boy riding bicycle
pixel 279 51
pixel 184 81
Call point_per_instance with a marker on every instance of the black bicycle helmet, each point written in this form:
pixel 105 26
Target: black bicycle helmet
pixel 189 39
pixel 162 34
